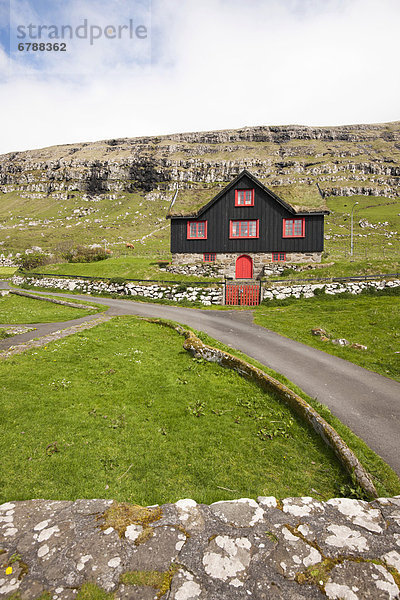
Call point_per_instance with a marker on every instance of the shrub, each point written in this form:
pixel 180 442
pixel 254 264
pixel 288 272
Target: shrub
pixel 31 261
pixel 82 254
pixel 117 280
pixel 182 287
pixel 319 291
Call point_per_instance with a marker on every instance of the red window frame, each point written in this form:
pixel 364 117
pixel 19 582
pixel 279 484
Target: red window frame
pixel 292 233
pixel 196 236
pixel 241 221
pixel 278 256
pixel 244 203
pixel 209 257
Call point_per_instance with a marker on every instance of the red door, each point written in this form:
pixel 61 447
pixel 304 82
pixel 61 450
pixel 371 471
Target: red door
pixel 244 267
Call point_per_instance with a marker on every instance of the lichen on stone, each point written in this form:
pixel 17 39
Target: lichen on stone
pixel 121 514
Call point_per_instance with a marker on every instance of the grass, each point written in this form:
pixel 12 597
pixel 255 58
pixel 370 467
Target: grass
pixel 7 271
pixel 345 268
pixel 365 319
pixel 158 580
pixel 385 479
pixel 48 222
pixel 128 267
pixel 88 591
pixel 121 411
pixel 17 309
pixel 378 243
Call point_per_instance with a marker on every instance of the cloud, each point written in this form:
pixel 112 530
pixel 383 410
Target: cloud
pixel 215 64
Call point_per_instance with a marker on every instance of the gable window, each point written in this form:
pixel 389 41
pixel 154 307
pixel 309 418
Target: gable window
pixel 293 228
pixel 244 197
pixel 197 230
pixel 209 257
pixel 278 256
pixel 243 229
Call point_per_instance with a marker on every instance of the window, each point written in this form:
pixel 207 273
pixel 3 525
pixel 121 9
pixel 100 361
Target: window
pixel 243 229
pixel 197 230
pixel 244 197
pixel 278 256
pixel 209 257
pixel 293 228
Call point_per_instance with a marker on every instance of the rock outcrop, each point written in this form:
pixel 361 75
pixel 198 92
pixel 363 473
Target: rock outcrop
pixel 346 160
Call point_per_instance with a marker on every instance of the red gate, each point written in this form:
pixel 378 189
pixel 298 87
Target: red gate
pixel 242 294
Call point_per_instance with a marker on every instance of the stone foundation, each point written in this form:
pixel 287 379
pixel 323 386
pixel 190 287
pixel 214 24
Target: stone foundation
pixel 260 260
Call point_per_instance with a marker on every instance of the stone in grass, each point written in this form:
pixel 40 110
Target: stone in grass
pixel 341 342
pixel 357 346
pixel 319 332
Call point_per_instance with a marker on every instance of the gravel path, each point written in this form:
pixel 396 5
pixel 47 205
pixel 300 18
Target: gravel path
pixel 44 333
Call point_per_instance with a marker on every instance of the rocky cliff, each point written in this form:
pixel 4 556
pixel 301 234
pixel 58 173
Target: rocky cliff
pixel 345 160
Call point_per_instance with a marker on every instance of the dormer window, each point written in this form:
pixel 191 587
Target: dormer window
pixel 197 230
pixel 244 197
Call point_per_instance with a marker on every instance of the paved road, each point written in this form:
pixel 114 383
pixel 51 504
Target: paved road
pixel 368 403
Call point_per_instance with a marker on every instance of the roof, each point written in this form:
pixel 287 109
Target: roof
pixel 297 199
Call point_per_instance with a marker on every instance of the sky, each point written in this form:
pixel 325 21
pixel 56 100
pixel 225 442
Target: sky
pixel 155 67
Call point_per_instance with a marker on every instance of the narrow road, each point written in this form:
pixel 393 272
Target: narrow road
pixel 367 402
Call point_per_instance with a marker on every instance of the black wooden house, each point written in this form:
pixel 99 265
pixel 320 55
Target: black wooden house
pixel 245 227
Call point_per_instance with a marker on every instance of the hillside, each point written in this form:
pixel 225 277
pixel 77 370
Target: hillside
pixel 120 190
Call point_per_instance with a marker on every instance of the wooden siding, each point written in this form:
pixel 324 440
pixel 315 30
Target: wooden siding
pixel 270 214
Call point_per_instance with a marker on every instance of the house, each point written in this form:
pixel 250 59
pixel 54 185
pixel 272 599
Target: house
pixel 245 227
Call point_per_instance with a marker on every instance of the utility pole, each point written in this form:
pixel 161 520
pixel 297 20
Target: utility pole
pixel 351 226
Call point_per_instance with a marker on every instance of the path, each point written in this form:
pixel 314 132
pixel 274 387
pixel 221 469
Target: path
pixel 365 401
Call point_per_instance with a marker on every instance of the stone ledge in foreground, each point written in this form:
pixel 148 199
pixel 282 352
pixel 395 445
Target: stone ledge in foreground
pixel 294 549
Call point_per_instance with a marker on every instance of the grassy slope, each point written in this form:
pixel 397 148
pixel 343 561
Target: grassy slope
pixel 124 394
pixel 129 267
pixel 369 243
pixel 17 309
pixel 108 220
pixel 369 320
pixel 7 271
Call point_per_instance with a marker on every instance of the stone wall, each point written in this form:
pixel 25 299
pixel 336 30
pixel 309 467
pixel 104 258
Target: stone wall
pixel 211 294
pixel 7 261
pixel 307 290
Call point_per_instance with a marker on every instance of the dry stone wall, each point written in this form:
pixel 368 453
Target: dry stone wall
pixel 308 290
pixel 7 261
pixel 174 292
pixel 207 295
